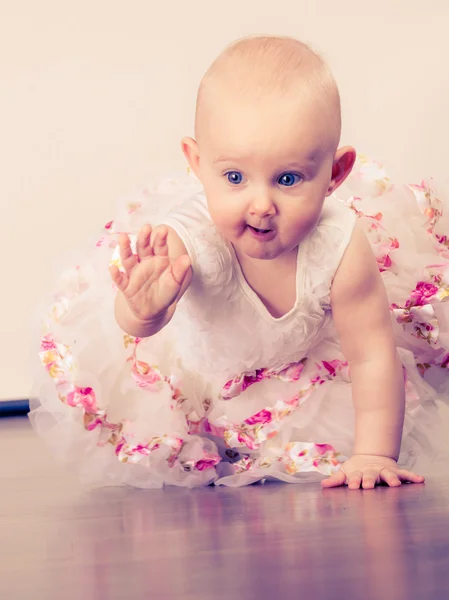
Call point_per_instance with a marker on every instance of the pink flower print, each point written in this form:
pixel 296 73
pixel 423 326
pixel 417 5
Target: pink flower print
pixel 323 449
pixel 84 398
pixel 291 468
pixel 128 340
pixel 264 416
pixel 430 205
pixel 48 343
pixel 325 454
pixel 244 464
pixel 144 449
pixel 421 294
pixel 203 465
pixel 443 239
pixel 333 366
pixel 384 248
pixel 232 388
pixel 108 225
pixel 146 376
pixel 216 430
pixel 244 438
pixel 56 359
pixel 430 213
pixel 119 447
pixel 384 262
pixel 418 187
pixel 176 445
pixel 403 316
pixel 207 462
pixel 292 372
pixel 240 383
pixel 94 423
pixel 51 361
pixel 352 206
pixel 292 403
pixel 127 452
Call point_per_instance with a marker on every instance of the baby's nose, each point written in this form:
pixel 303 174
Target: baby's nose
pixel 262 205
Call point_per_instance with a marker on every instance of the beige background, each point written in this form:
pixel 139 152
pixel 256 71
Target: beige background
pixel 95 95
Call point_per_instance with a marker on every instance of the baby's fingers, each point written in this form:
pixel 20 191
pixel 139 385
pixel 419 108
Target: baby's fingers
pixel 369 480
pixel 397 477
pixel 160 247
pixel 409 476
pixel 171 281
pixel 335 480
pixel 143 245
pixel 390 477
pixel 128 259
pixel 180 268
pixel 120 279
pixel 355 480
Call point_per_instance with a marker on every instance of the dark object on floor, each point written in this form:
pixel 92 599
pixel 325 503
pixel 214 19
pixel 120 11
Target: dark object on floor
pixel 12 408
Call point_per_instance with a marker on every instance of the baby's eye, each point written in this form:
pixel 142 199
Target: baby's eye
pixel 289 179
pixel 234 177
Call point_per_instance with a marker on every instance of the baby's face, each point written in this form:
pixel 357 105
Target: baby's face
pixel 266 172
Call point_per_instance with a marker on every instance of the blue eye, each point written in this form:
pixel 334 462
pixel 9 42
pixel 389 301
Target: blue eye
pixel 289 179
pixel 234 177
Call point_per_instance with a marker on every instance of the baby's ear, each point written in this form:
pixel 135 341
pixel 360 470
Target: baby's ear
pixel 343 162
pixel 190 149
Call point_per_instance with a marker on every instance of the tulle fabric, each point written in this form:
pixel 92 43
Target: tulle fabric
pixel 227 394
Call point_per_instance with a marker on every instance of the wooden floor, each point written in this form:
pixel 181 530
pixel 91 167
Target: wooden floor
pixel 60 540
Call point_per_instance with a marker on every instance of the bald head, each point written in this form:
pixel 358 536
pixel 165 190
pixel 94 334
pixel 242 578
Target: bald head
pixel 280 68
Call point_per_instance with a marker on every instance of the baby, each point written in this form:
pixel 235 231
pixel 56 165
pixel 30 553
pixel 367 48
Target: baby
pixel 259 340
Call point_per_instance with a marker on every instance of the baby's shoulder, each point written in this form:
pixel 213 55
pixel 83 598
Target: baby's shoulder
pixel 335 217
pixel 333 231
pixel 326 246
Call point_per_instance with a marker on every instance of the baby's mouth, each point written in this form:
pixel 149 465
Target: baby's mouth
pixel 259 230
pixel 261 234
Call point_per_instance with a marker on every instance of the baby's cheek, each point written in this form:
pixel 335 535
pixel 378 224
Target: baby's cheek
pixel 301 225
pixel 305 220
pixel 222 222
pixel 224 214
pixel 311 215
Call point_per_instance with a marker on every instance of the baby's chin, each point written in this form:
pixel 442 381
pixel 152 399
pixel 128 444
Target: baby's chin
pixel 264 251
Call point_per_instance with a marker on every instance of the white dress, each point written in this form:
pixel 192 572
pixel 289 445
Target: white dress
pixel 226 393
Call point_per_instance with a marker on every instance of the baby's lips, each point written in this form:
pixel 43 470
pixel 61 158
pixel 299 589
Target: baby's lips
pixel 259 228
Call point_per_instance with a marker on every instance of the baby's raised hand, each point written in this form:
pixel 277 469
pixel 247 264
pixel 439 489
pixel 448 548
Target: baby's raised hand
pixel 152 281
pixel 367 471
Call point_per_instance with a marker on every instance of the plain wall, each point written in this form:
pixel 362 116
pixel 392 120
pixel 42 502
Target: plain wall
pixel 95 96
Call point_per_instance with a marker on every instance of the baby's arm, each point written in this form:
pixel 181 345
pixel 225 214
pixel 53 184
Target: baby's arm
pixel 362 319
pixel 155 279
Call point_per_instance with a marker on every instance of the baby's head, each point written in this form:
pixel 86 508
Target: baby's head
pixel 267 130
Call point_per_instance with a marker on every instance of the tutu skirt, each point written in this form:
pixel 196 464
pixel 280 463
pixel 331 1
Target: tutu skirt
pixel 121 410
